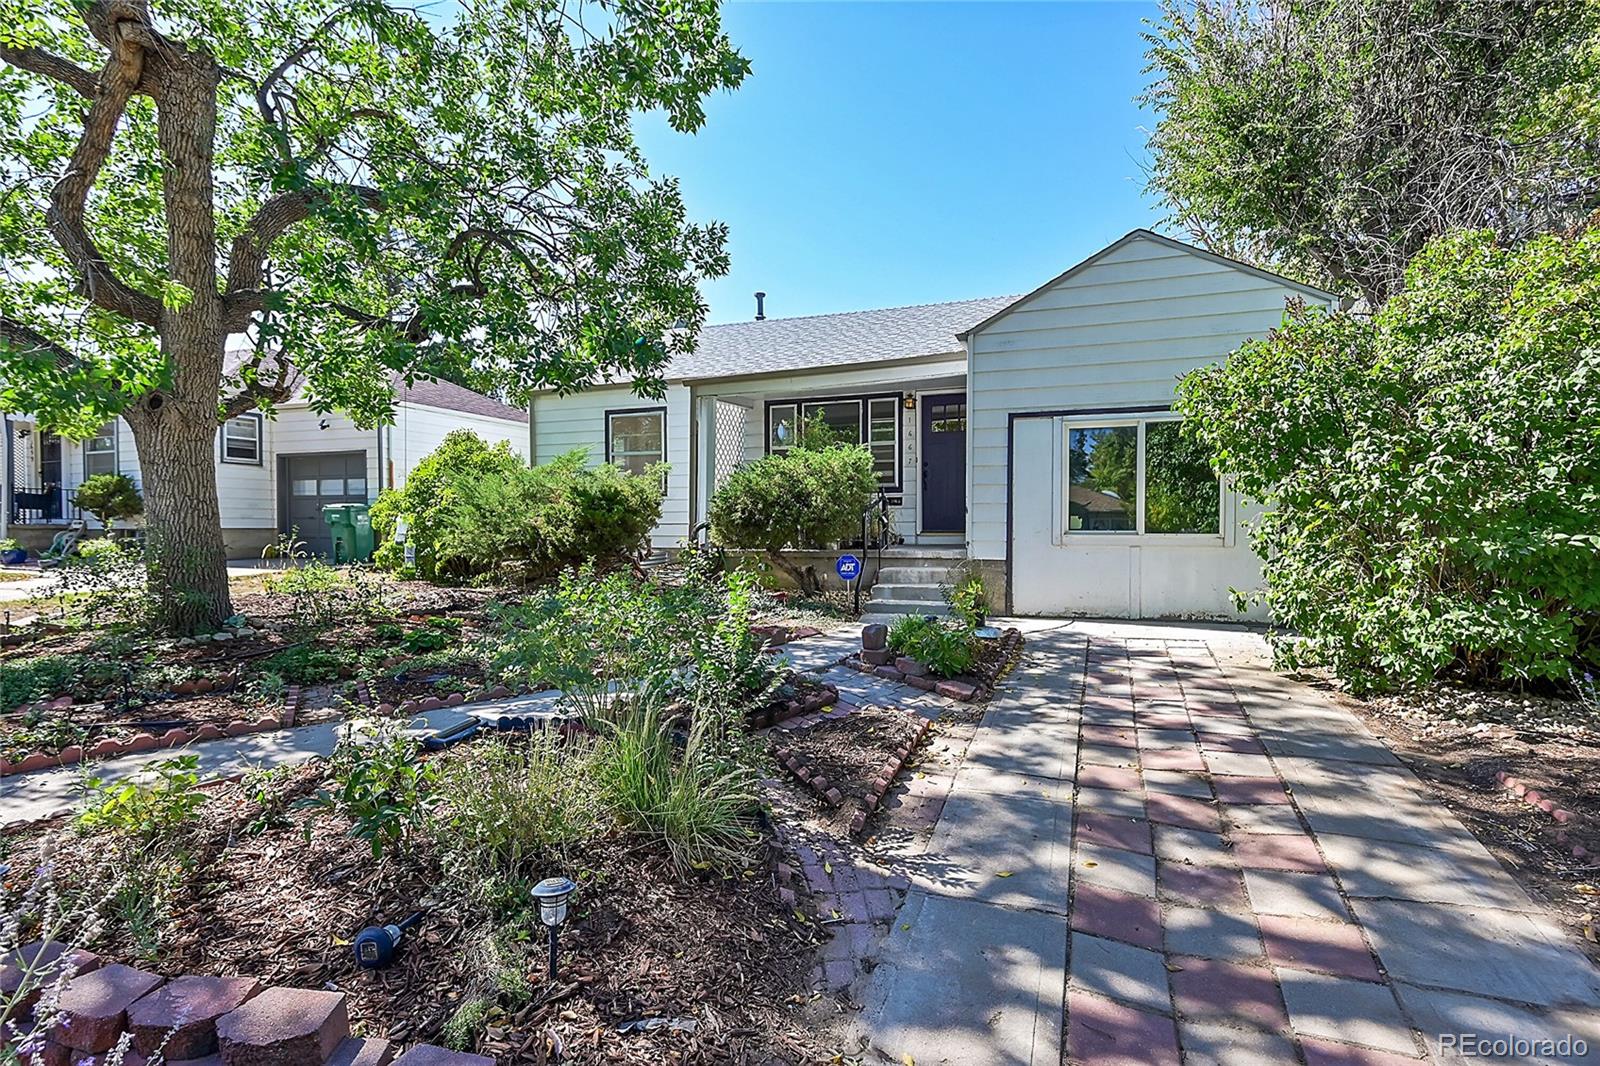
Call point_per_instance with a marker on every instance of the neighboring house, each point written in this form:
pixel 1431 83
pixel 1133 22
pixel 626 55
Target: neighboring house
pixel 973 411
pixel 274 474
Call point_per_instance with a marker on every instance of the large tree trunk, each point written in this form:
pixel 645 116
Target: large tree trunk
pixel 175 427
pixel 188 566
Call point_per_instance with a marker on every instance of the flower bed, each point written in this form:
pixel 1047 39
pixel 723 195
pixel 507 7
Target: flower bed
pixel 850 757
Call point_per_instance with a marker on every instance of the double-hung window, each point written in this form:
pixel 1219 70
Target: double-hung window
pixel 636 440
pixel 241 439
pixel 872 421
pixel 1138 476
pixel 100 452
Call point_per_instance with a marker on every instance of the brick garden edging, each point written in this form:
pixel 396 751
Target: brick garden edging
pixel 200 1021
pixel 805 770
pixel 175 737
pixel 1560 815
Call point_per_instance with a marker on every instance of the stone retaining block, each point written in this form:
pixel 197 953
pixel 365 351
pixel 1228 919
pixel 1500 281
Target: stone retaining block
pixel 284 1027
pixel 38 956
pixel 357 1051
pixel 187 1008
pixel 94 1006
pixel 428 1055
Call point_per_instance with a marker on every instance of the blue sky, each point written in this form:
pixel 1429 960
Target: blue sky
pixel 897 153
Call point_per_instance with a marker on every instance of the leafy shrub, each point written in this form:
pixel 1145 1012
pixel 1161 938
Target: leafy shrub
pixel 698 803
pixel 382 785
pixel 471 508
pixel 803 498
pixel 109 497
pixel 150 805
pixel 106 583
pixel 968 599
pixel 1429 474
pixel 433 635
pixel 945 648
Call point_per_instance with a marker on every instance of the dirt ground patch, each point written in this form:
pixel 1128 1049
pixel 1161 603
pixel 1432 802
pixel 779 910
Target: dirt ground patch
pixel 1460 740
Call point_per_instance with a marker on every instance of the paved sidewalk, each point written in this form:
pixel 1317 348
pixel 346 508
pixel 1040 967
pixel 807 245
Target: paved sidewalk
pixel 1159 851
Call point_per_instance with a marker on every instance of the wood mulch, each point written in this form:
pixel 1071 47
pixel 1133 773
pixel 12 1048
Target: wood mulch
pixel 1460 741
pixel 723 961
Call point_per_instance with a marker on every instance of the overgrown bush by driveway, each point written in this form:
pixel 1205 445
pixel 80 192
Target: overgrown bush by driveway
pixel 1431 475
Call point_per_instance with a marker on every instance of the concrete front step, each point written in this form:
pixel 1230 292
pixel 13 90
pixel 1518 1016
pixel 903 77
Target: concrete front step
pixel 884 590
pixel 924 551
pixel 912 575
pixel 877 606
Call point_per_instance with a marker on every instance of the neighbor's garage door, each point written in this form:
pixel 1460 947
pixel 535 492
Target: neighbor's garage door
pixel 310 482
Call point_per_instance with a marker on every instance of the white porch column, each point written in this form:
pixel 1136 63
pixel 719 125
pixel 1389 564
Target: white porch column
pixel 703 453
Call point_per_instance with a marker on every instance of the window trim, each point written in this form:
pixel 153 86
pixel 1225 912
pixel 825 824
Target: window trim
pixel 863 425
pixel 615 411
pixel 1138 533
pixel 261 440
pixel 116 451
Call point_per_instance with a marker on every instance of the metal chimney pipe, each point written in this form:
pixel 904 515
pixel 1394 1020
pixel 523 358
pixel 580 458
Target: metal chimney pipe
pixel 761 306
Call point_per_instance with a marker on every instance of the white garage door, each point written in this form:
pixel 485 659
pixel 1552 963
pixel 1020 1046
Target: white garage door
pixel 1089 546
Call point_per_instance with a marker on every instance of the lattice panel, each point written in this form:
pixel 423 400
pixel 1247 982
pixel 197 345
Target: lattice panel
pixel 732 422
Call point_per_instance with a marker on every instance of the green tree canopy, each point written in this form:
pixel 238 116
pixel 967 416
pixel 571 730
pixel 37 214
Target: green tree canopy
pixel 1431 475
pixel 1332 139
pixel 347 188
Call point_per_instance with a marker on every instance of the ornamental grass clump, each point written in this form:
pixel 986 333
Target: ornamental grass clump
pixel 1431 474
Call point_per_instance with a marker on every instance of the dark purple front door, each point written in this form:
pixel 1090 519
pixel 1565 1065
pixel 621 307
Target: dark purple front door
pixel 944 462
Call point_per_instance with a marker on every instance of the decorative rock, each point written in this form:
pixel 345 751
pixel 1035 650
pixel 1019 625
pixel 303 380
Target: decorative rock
pixel 834 796
pixel 94 1006
pixel 222 635
pixel 44 959
pixel 429 1055
pixel 455 699
pixel 187 1008
pixel 819 783
pixel 956 690
pixel 1560 814
pixel 386 709
pixel 890 673
pixel 1532 796
pixel 875 637
pixel 284 1027
pixel 358 1051
pixel 876 656
pixel 926 684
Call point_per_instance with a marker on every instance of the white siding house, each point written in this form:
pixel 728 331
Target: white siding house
pixel 273 474
pixel 999 407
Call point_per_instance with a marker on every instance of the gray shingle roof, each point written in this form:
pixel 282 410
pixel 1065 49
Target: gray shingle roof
pixel 847 339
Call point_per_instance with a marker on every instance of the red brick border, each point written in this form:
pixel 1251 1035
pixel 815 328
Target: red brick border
pixel 1518 789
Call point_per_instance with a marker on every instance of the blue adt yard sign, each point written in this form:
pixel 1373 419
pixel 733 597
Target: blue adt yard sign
pixel 848 567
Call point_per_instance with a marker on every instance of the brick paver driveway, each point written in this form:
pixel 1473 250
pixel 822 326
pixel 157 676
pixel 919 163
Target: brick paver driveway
pixel 1158 851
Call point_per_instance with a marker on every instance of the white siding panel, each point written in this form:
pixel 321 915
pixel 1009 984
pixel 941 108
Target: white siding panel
pixel 1119 333
pixel 564 423
pixel 419 429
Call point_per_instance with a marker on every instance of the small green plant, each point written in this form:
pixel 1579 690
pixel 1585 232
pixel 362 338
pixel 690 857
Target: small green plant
pixel 10 544
pixel 265 688
pixel 36 679
pixel 382 785
pixel 269 790
pixel 109 497
pixel 388 633
pixel 432 635
pixel 153 804
pixel 968 599
pixel 305 664
pixel 318 594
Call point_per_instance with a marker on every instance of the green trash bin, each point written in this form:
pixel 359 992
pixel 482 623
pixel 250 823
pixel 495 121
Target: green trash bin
pixel 351 526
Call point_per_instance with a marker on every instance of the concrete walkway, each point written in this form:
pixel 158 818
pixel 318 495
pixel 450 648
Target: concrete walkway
pixel 1159 851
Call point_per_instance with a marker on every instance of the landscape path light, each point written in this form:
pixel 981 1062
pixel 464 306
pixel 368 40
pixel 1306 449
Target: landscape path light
pixel 553 894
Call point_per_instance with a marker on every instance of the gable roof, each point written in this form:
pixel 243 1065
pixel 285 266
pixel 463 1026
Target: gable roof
pixel 426 392
pixel 1310 291
pixel 813 342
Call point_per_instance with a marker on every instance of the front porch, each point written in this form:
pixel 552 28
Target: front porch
pixel 35 501
pixel 912 418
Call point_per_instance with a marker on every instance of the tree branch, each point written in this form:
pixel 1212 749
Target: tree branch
pixel 49 65
pixel 27 341
pixel 247 261
pixel 68 200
